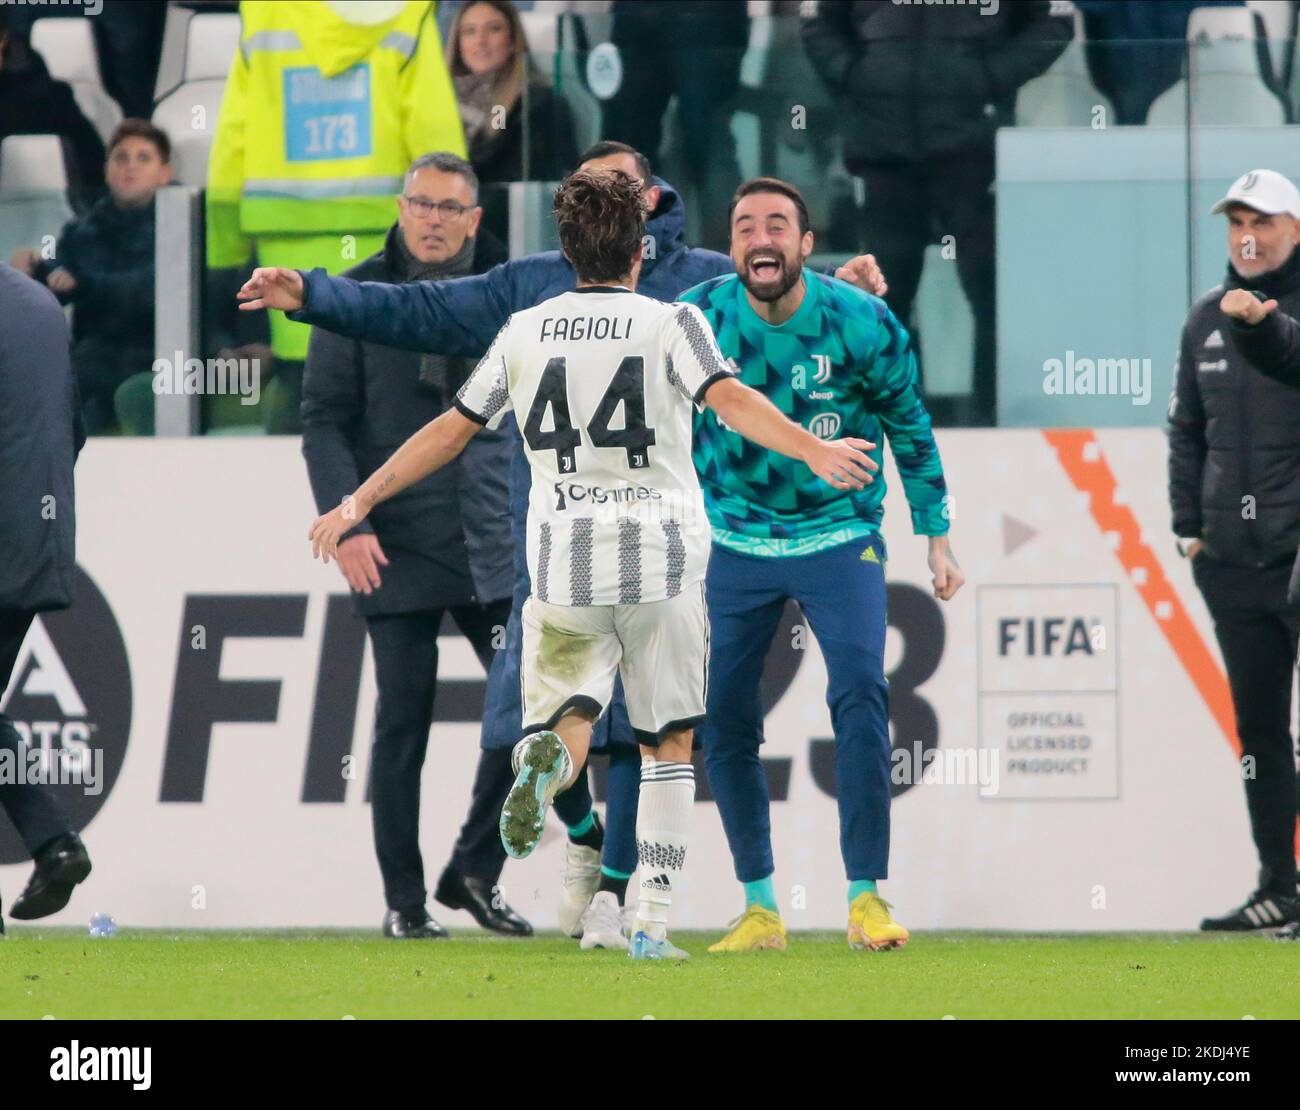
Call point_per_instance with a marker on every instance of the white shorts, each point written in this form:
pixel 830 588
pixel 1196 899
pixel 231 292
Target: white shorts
pixel 571 654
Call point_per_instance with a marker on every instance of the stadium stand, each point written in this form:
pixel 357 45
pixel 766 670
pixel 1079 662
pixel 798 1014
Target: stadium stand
pixel 1229 74
pixel 1065 95
pixel 68 47
pixel 33 184
pixel 197 49
pixel 1277 20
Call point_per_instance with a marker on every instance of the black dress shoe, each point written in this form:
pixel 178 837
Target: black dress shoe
pixel 412 925
pixel 60 865
pixel 483 901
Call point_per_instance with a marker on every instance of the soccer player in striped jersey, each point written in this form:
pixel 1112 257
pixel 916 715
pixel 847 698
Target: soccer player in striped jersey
pixel 834 360
pixel 603 382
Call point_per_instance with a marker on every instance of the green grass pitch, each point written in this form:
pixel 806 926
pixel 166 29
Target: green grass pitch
pixel 333 974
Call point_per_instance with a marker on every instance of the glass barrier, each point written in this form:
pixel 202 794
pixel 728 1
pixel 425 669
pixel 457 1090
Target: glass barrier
pixel 1041 210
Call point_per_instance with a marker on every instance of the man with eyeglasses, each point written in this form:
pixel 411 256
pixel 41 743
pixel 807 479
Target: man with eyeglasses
pixel 442 547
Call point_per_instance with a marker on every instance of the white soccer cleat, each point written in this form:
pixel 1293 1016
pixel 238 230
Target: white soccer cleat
pixel 602 923
pixel 578 884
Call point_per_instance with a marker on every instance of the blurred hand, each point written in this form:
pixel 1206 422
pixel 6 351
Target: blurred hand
pixel 864 273
pixel 60 281
pixel 272 287
pixel 326 530
pixel 25 259
pixel 843 463
pixel 1194 549
pixel 359 558
pixel 1245 306
pixel 948 578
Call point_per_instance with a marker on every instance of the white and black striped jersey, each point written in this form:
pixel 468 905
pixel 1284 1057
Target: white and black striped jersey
pixel 601 381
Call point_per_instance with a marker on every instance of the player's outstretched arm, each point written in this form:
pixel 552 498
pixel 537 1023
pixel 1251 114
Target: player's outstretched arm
pixel 842 463
pixel 432 447
pixel 456 316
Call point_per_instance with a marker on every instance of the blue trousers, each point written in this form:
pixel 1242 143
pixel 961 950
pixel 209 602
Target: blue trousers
pixel 842 594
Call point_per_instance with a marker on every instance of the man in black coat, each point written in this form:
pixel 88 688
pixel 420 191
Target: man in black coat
pixel 40 436
pixel 33 103
pixel 924 88
pixel 1234 485
pixel 444 546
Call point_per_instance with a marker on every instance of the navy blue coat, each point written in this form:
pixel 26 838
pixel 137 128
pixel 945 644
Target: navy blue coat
pixel 40 436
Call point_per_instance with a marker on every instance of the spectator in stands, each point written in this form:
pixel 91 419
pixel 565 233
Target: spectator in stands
pixel 442 546
pixel 33 103
pixel 325 107
pixel 691 52
pixel 128 44
pixel 1137 49
pixel 1234 485
pixel 926 88
pixel 516 128
pixel 104 267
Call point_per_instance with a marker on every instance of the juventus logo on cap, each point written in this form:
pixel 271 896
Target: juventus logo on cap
pixel 1249 182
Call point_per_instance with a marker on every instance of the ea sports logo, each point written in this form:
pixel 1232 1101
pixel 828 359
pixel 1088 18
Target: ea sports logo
pixel 69 698
pixel 825 425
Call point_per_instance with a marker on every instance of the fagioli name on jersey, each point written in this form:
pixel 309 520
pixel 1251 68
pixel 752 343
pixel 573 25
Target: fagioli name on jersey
pixel 573 328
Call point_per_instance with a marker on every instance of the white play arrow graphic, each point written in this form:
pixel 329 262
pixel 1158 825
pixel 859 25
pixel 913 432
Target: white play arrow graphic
pixel 1015 534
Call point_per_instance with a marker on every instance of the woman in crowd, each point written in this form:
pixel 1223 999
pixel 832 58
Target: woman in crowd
pixel 516 127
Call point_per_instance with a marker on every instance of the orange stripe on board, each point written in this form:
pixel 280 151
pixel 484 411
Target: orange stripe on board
pixel 1081 457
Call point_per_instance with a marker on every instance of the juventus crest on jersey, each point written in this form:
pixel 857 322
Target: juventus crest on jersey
pixel 601 381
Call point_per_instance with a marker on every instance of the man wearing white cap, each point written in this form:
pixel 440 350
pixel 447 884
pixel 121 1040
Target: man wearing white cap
pixel 1234 485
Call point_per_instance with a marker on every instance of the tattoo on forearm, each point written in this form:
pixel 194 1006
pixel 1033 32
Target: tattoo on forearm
pixel 373 499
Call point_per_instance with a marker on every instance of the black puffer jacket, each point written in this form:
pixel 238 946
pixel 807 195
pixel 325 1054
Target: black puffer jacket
pixel 447 537
pixel 919 79
pixel 110 251
pixel 1234 431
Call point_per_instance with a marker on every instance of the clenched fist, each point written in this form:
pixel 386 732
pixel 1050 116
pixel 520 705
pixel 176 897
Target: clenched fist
pixel 1245 306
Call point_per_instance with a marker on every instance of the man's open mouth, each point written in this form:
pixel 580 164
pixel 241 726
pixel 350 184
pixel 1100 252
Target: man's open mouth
pixel 765 267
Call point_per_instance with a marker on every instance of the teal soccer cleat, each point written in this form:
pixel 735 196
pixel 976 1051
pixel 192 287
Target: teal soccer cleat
pixel 643 947
pixel 542 766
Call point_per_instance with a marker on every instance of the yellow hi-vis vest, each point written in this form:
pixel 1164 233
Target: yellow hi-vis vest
pixel 321 119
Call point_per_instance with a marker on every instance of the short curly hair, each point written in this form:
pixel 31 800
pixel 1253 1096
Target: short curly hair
pixel 601 216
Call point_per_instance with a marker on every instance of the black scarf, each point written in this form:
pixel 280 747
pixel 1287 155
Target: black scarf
pixel 439 373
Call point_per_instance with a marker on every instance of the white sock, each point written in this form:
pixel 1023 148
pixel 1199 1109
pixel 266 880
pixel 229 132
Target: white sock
pixel 662 825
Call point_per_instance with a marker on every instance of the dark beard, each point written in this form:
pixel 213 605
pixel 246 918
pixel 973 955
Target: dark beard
pixel 789 279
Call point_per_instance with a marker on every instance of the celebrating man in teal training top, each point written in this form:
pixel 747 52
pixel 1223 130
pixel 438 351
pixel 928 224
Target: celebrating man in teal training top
pixel 835 360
